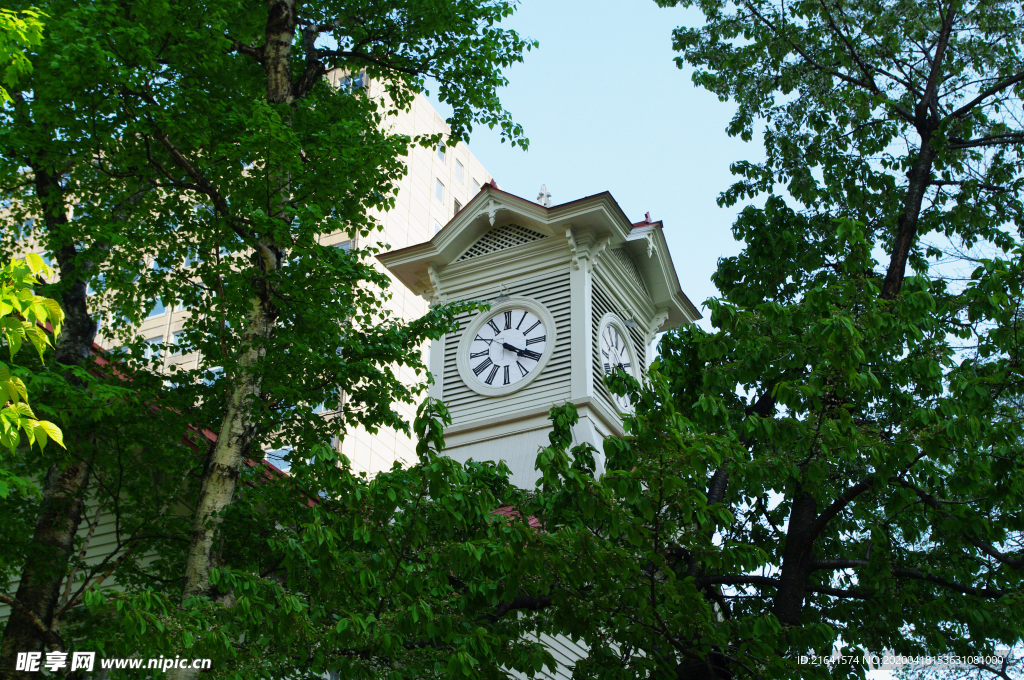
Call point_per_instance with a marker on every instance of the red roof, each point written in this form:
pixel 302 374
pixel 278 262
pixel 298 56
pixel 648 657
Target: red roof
pixel 510 511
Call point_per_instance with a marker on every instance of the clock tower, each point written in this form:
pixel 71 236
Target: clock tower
pixel 575 291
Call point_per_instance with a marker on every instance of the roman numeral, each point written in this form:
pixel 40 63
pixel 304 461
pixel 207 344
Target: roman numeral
pixel 508 320
pixel 490 377
pixel 540 339
pixel 482 367
pixel 477 355
pixel 506 375
pixel 607 368
pixel 521 320
pixel 605 354
pixel 483 339
pixel 530 354
pixel 527 331
pixel 494 326
pixel 521 368
pixel 625 365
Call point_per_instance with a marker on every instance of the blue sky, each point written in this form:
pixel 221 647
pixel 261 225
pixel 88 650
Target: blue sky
pixel 606 109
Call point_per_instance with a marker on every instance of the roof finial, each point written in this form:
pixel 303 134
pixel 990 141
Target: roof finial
pixel 544 197
pixel 648 216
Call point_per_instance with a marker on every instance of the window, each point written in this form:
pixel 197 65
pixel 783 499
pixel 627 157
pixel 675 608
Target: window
pixel 437 226
pixel 458 171
pixel 157 309
pixel 476 187
pixel 346 246
pixel 159 267
pixel 439 191
pixel 276 458
pixel 211 375
pixel 352 83
pixel 176 340
pixel 152 351
pixel 440 152
pixel 90 289
pixel 458 207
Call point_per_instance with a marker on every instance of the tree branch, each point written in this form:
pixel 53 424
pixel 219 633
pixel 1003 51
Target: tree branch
pixel 522 602
pixel 965 590
pixel 1002 85
pixel 254 52
pixel 836 565
pixel 991 140
pixel 837 506
pixel 53 639
pixel 933 76
pixel 775 583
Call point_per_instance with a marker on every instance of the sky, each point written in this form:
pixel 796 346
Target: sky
pixel 606 109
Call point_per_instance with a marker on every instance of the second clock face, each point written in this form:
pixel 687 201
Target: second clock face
pixel 614 354
pixel 507 347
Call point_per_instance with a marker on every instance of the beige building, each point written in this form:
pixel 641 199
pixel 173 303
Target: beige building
pixel 438 183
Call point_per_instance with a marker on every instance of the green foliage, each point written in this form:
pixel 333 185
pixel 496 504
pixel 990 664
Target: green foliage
pixel 161 170
pixel 23 316
pixel 19 31
pixel 394 577
pixel 839 459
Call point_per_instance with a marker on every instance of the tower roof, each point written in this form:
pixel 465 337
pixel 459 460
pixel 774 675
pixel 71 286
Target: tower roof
pixel 600 214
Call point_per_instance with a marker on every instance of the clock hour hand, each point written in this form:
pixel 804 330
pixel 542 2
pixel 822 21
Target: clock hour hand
pixel 528 353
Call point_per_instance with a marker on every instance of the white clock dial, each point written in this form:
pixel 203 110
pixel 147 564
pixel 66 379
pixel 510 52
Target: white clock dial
pixel 615 354
pixel 507 348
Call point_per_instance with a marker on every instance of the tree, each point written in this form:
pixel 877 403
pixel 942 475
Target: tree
pixel 189 151
pixel 839 459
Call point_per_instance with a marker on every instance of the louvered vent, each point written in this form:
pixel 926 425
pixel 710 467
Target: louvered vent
pixel 626 261
pixel 509 236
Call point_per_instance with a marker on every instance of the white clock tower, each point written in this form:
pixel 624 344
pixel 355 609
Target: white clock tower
pixel 575 291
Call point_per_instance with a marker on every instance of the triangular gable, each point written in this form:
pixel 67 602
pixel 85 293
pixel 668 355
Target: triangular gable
pixel 500 238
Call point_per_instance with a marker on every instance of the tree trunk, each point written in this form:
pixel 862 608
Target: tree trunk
pixel 60 512
pixel 906 232
pixel 796 560
pixel 237 431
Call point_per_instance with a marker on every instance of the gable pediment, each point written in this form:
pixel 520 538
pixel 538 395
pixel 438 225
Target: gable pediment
pixel 500 238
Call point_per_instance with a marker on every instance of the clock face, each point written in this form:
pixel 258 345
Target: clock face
pixel 614 354
pixel 507 348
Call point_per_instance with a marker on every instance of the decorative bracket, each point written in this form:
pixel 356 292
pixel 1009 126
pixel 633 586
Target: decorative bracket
pixel 655 326
pixel 572 248
pixel 432 291
pixel 650 244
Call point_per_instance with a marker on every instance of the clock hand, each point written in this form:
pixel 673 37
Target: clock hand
pixel 528 353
